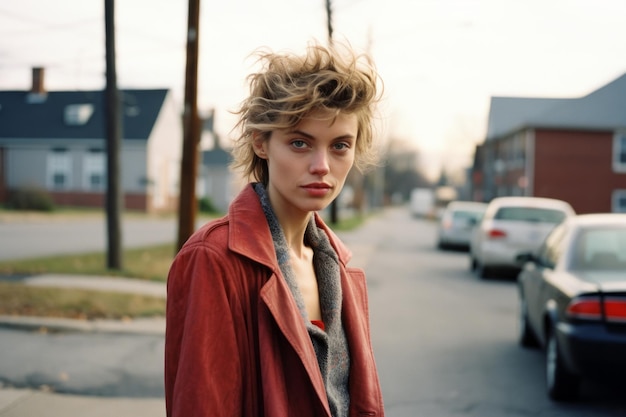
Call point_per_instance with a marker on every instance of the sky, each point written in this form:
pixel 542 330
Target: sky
pixel 440 60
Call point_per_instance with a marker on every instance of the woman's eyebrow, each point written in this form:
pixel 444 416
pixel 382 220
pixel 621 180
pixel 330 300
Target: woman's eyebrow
pixel 309 136
pixel 301 133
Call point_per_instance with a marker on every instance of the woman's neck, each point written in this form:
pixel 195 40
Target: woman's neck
pixel 293 224
pixel 293 230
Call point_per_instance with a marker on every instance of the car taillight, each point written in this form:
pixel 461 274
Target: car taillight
pixel 613 309
pixel 585 308
pixel 496 234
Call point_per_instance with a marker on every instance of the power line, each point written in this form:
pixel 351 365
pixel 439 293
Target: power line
pixel 45 26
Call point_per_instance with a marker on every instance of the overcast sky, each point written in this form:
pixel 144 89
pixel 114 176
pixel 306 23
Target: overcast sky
pixel 440 60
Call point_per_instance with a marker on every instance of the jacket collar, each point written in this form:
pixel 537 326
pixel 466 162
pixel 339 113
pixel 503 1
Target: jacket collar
pixel 250 234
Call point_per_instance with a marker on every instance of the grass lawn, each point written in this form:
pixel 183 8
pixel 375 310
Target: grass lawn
pixel 22 300
pixel 149 263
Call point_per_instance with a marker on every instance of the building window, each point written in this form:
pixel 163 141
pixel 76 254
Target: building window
pixel 94 178
pixel 619 152
pixel 59 169
pixel 619 201
pixel 78 114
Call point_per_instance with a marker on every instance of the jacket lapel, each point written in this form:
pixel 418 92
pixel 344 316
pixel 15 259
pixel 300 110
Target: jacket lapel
pixel 279 301
pixel 250 236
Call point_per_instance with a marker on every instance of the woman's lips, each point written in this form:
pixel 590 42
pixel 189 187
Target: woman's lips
pixel 317 189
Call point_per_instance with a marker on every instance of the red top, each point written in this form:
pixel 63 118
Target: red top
pixel 319 323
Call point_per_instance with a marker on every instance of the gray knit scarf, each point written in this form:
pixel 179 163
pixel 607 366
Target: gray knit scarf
pixel 331 346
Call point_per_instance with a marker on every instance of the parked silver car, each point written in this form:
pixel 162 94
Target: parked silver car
pixel 510 226
pixel 457 222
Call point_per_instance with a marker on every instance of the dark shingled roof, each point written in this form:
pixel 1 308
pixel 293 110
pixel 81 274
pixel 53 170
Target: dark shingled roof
pixel 216 156
pixel 23 116
pixel 603 109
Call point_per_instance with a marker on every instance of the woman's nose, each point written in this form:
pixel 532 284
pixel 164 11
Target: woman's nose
pixel 319 163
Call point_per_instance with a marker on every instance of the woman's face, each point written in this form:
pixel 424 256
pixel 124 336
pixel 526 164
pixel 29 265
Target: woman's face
pixel 308 164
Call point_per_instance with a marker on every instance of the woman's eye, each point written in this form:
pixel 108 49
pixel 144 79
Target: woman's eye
pixel 341 146
pixel 299 144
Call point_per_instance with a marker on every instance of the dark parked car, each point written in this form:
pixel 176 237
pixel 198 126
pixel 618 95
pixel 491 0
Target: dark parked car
pixel 572 295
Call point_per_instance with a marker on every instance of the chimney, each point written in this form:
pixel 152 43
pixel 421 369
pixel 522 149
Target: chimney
pixel 38 81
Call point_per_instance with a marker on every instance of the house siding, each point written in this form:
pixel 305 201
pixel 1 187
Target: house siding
pixel 134 167
pixel 575 166
pixel 215 183
pixel 137 202
pixel 26 167
pixel 164 157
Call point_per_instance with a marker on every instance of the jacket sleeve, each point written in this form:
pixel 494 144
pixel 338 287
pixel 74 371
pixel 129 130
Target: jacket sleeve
pixel 202 368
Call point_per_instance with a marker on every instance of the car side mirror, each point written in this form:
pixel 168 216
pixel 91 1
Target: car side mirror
pixel 524 257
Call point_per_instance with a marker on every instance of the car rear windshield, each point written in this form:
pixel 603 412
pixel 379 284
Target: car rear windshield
pixel 467 215
pixel 601 249
pixel 530 214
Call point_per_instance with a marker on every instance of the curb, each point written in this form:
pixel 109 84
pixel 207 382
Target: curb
pixel 146 326
pixel 98 283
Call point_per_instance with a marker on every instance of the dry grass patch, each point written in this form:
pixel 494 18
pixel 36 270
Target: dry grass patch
pixel 149 263
pixel 24 300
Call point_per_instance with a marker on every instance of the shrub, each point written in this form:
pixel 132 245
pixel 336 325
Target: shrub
pixel 205 205
pixel 30 198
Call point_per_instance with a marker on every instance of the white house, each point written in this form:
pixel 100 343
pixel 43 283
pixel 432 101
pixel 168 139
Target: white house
pixel 55 141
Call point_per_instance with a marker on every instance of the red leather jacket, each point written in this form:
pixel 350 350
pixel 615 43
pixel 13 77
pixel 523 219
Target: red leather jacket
pixel 235 343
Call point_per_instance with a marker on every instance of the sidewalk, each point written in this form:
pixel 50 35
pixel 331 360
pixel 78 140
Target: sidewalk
pixel 29 402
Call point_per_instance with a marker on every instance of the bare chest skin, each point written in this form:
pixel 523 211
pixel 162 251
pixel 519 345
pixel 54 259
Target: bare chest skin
pixel 307 283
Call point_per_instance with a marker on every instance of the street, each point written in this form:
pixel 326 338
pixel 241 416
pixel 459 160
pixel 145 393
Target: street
pixel 41 237
pixel 445 341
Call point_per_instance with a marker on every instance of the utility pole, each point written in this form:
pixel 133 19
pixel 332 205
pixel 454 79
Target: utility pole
pixel 113 129
pixel 334 212
pixel 187 206
pixel 329 20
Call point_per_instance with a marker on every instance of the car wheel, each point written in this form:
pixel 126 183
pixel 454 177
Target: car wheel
pixel 526 336
pixel 482 271
pixel 473 264
pixel 562 385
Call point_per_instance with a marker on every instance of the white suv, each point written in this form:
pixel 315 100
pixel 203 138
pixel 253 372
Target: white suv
pixel 512 225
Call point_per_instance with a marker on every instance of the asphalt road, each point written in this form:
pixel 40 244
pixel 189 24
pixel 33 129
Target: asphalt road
pixel 92 364
pixel 445 341
pixel 37 237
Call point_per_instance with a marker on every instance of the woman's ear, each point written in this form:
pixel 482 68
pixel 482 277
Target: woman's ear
pixel 259 145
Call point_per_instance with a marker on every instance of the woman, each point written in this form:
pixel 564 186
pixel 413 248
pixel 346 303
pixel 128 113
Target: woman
pixel 264 318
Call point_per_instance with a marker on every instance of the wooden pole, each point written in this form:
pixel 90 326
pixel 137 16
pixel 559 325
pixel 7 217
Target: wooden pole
pixel 114 200
pixel 191 131
pixel 334 211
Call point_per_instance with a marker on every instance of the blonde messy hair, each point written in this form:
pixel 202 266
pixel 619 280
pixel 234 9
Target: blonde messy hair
pixel 289 87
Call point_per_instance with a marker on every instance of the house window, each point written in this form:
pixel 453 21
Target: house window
pixel 78 114
pixel 94 178
pixel 619 201
pixel 59 169
pixel 619 152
